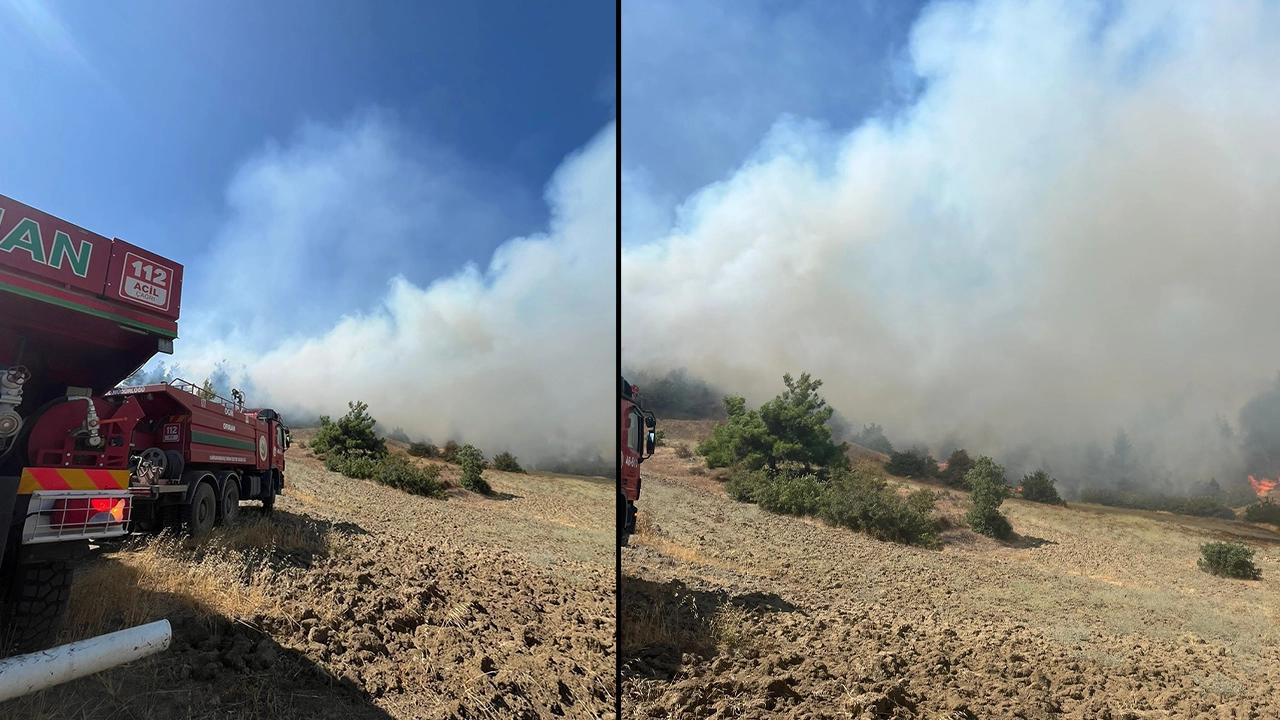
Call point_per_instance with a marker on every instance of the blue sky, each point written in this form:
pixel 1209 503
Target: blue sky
pixel 134 119
pixel 704 81
pixel 406 203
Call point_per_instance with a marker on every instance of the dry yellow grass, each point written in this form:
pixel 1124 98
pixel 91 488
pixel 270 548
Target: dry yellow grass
pixel 729 627
pixel 226 574
pixel 649 534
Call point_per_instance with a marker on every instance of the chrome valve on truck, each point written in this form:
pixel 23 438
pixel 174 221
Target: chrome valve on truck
pixel 10 398
pixel 91 421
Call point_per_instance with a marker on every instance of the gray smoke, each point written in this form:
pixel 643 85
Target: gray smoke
pixel 513 356
pixel 1071 231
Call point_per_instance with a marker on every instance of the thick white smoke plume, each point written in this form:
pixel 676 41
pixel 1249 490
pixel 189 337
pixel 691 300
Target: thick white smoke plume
pixel 1072 229
pixel 517 356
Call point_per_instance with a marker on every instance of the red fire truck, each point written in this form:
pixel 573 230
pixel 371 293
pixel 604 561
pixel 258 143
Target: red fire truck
pixel 637 436
pixel 79 313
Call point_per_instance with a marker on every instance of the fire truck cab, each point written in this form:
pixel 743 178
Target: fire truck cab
pixel 637 437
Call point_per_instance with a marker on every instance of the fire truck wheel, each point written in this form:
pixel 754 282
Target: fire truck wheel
pixel 199 516
pixel 268 492
pixel 230 501
pixel 34 605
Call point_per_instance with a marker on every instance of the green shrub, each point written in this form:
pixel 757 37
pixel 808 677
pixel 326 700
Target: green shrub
pixel 355 465
pixel 987 489
pixel 472 462
pixel 423 449
pixel 791 429
pixel 743 484
pixel 986 480
pixel 683 452
pixel 398 472
pixel 791 494
pixel 1264 512
pixel 1039 487
pixel 912 464
pixel 860 501
pixel 988 521
pixel 351 433
pixel 740 440
pixel 1228 559
pixel 958 465
pixel 922 501
pixel 506 462
pixel 449 453
pixel 659 438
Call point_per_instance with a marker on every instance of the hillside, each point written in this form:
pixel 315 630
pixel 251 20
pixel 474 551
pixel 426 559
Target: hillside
pixel 367 603
pixel 729 611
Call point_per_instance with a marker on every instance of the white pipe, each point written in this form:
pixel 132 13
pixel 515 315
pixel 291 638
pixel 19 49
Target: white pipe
pixel 28 673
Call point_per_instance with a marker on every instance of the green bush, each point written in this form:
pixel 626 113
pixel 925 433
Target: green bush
pixel 506 462
pixel 423 449
pixel 402 474
pixel 659 438
pixel 912 464
pixel 449 453
pixel 987 490
pixel 472 462
pixel 1039 487
pixel 350 434
pixel 958 465
pixel 1228 559
pixel 922 501
pixel 743 484
pixel 860 501
pixel 355 465
pixel 791 429
pixel 1264 512
pixel 989 522
pixel 791 494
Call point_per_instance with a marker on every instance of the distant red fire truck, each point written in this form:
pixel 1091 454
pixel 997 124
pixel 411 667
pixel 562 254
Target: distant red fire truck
pixel 638 435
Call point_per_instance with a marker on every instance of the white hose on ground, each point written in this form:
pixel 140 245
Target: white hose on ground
pixel 28 673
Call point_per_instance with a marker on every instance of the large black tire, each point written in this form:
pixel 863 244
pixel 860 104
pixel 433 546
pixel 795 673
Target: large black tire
pixel 624 533
pixel 268 492
pixel 34 604
pixel 199 515
pixel 229 507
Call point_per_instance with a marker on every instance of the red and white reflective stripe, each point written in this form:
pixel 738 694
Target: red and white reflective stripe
pixel 35 479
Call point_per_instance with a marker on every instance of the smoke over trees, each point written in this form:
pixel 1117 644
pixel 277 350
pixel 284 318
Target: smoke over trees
pixel 1050 241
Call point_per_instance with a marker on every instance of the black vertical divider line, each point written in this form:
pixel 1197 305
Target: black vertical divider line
pixel 617 418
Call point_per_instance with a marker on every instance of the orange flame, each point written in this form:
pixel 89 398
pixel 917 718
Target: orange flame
pixel 1264 486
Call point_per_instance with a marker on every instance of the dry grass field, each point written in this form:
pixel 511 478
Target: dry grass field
pixel 1091 612
pixel 355 600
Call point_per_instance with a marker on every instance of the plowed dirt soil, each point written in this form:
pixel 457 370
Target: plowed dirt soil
pixel 729 611
pixel 359 601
